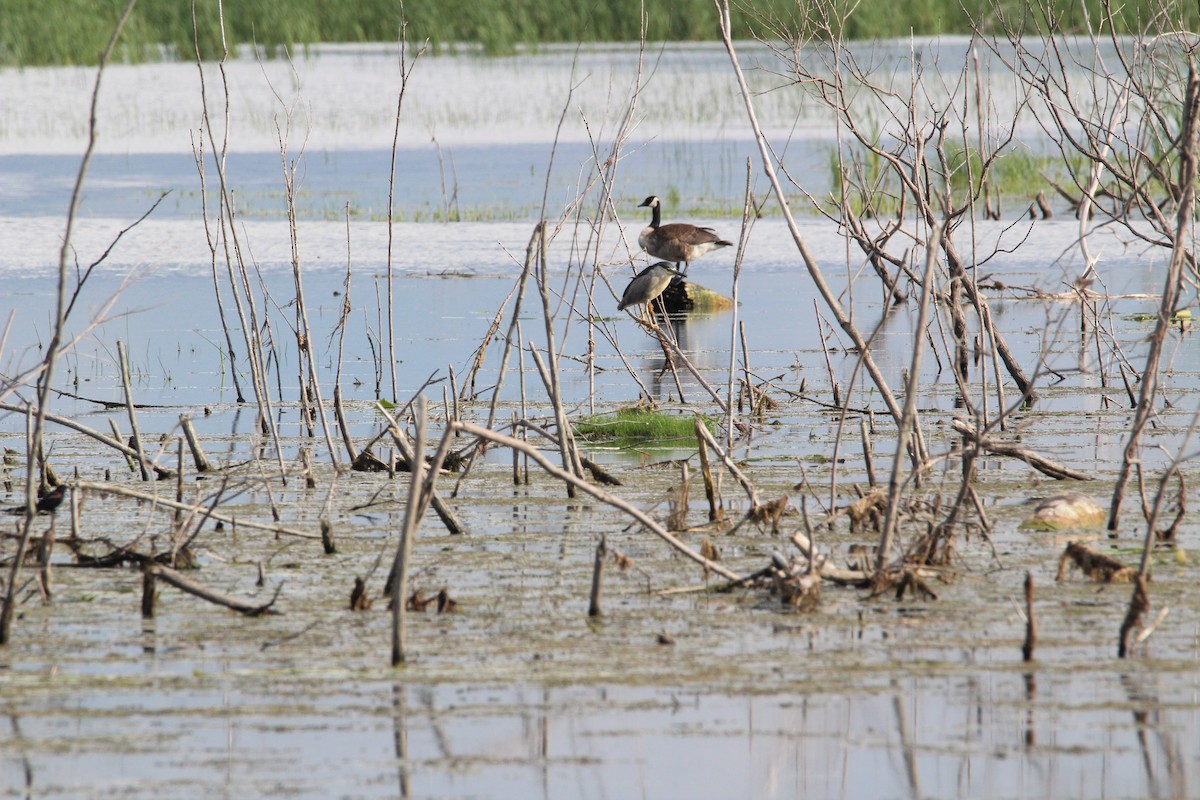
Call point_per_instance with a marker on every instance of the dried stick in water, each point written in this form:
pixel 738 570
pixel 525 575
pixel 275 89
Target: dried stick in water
pixel 36 420
pixel 137 438
pixel 1030 621
pixel 598 576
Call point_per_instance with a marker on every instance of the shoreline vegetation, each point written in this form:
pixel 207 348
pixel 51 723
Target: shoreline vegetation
pixel 75 31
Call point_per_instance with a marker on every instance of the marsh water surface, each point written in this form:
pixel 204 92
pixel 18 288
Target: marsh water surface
pixel 517 694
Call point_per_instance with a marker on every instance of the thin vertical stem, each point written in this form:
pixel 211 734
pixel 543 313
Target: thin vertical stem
pixel 908 419
pixel 8 613
pixel 137 437
pixel 407 534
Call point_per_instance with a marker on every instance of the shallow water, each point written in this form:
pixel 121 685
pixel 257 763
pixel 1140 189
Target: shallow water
pixel 517 694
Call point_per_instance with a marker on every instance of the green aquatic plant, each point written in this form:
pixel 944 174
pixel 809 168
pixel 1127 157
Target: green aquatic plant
pixel 638 425
pixel 1015 173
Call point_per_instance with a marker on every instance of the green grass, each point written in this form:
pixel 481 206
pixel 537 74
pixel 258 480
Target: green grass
pixel 637 426
pixel 1016 175
pixel 75 31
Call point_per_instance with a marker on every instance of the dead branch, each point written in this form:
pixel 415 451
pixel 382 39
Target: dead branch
pixel 1035 460
pixel 125 491
pixel 212 595
pixel 1139 604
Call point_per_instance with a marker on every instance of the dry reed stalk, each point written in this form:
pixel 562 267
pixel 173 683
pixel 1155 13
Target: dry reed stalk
pixel 669 343
pixel 833 384
pixel 516 455
pixel 1035 460
pixel 524 402
pixel 734 324
pixel 136 436
pixel 598 473
pixel 116 431
pixel 745 372
pixel 513 326
pixel 306 468
pixel 198 159
pixel 178 487
pixel 908 419
pixel 716 511
pixel 311 383
pixel 1139 604
pixel 405 73
pixel 421 492
pixel 125 491
pixel 1181 258
pixel 36 420
pixel 867 451
pixel 549 371
pixel 453 389
pixel 747 486
pixel 386 430
pixel 198 456
pixel 678 500
pixel 566 441
pixel 45 552
pixel 1030 620
pixel 444 512
pixel 477 360
pixel 398 578
pixel 149 589
pixel 339 414
pixel 239 282
pixel 598 576
pixel 810 263
pixel 114 443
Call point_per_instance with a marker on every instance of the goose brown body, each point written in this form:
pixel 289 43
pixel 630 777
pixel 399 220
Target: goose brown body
pixel 677 241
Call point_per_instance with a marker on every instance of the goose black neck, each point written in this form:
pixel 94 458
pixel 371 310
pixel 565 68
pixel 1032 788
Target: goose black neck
pixel 655 216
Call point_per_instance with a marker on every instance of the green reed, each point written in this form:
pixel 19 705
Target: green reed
pixel 74 31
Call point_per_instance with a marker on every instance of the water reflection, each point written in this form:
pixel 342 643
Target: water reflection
pixel 1162 749
pixel 704 339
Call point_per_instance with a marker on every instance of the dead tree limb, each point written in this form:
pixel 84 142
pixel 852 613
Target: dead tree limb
pixel 1035 460
pixel 125 491
pixel 212 595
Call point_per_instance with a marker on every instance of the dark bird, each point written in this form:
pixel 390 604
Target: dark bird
pixel 647 285
pixel 47 503
pixel 678 241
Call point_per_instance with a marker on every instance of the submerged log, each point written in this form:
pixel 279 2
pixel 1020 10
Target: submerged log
pixel 1064 511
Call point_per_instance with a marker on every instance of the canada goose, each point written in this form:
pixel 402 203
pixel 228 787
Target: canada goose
pixel 678 241
pixel 647 285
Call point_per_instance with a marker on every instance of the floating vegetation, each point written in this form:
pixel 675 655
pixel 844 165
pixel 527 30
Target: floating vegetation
pixel 638 425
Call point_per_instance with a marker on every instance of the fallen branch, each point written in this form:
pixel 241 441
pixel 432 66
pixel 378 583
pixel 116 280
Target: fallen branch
pixel 212 595
pixel 95 434
pixel 444 512
pixel 112 488
pixel 1035 460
